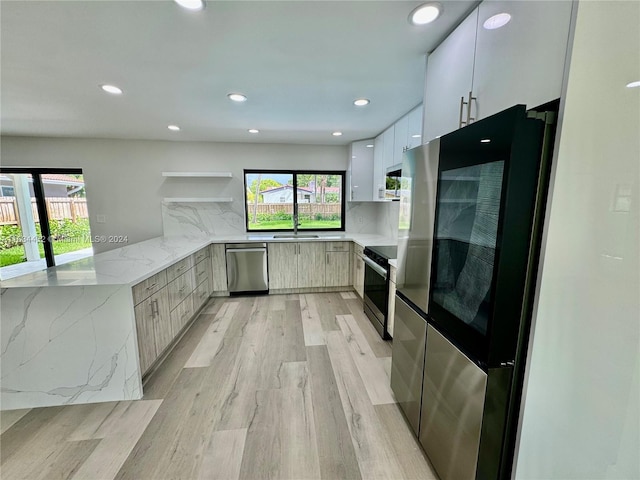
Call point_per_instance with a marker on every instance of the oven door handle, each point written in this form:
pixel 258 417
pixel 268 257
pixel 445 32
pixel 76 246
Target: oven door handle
pixel 376 268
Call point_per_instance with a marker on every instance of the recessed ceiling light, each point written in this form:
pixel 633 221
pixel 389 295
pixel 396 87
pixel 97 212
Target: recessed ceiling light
pixel 353 156
pixel 633 84
pixel 112 89
pixel 191 4
pixel 336 134
pixel 496 21
pixel 174 128
pixel 237 97
pixel 370 145
pixel 254 130
pixel 425 13
pixel 485 140
pixel 361 102
pixel 417 135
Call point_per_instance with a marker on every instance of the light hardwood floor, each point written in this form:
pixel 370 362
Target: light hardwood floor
pixel 266 387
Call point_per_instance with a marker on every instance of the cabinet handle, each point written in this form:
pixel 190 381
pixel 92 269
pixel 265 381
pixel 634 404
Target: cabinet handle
pixel 469 117
pixel 327 255
pixel 150 287
pixel 462 104
pixel 155 310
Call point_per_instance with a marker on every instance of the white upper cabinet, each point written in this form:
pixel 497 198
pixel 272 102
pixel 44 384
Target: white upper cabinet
pixel 449 79
pixel 387 151
pixel 389 146
pixel 523 61
pixel 414 133
pixel 379 174
pixel 400 132
pixel 361 167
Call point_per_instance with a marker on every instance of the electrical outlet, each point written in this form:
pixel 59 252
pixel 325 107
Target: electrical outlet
pixel 100 218
pixel 360 220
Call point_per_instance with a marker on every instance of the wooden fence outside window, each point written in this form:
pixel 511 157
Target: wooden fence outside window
pixel 58 208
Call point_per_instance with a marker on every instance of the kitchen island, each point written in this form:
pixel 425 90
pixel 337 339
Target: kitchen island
pixel 69 332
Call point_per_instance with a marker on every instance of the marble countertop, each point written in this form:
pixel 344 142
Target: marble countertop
pixel 133 263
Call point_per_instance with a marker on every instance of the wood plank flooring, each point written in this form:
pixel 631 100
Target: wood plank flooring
pixel 278 387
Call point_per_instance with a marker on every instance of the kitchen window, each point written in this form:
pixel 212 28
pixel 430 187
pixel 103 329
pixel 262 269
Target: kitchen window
pixel 274 199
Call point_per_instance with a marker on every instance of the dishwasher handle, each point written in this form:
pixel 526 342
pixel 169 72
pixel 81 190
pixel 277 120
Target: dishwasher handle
pixel 236 250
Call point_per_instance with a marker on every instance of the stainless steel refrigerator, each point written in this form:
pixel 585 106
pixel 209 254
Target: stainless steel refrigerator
pixel 415 244
pixel 468 254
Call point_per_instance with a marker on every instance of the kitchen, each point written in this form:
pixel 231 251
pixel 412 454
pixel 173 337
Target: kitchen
pixel 135 168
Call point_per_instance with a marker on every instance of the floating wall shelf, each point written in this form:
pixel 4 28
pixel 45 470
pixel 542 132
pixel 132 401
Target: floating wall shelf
pixel 198 200
pixel 197 174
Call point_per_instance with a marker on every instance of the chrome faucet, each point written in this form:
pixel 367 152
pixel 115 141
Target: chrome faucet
pixel 295 220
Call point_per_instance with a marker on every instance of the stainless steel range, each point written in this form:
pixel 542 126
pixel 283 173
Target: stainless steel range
pixel 376 285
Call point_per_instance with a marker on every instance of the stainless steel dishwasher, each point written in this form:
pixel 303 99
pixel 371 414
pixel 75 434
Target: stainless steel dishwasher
pixel 247 268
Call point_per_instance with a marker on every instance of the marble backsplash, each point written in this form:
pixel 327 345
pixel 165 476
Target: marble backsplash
pixel 220 219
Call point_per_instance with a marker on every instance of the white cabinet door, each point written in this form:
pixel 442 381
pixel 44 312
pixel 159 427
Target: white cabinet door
pixel 389 145
pixel 311 264
pixel 414 130
pixel 282 259
pixel 379 179
pixel 523 61
pixel 400 134
pixel 361 167
pixel 449 77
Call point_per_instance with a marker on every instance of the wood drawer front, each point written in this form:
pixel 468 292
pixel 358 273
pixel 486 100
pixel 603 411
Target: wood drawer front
pixel 178 268
pixel 201 271
pixel 180 288
pixel 358 250
pixel 200 255
pixel 337 246
pixel 181 315
pixel 200 295
pixel 148 287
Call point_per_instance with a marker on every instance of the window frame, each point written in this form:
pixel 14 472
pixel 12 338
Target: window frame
pixel 294 173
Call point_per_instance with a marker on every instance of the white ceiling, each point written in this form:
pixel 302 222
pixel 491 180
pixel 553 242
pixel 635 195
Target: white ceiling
pixel 301 64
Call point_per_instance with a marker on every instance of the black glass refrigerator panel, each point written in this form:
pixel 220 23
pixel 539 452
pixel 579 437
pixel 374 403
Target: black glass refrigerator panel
pixel 487 182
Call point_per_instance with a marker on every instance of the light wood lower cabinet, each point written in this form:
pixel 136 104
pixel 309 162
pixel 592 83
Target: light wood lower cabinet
pixel 338 267
pixel 358 269
pixel 218 274
pixel 153 326
pixel 201 294
pixel 146 339
pixel 161 314
pixel 282 262
pixel 311 264
pixel 149 286
pixel 180 288
pixel 295 265
pixel 181 315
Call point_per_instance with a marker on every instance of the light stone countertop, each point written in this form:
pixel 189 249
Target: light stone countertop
pixel 133 263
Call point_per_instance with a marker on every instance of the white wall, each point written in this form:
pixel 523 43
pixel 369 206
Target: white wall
pixel 124 182
pixel 581 411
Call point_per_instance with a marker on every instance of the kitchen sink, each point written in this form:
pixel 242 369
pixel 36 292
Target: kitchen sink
pixel 292 235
